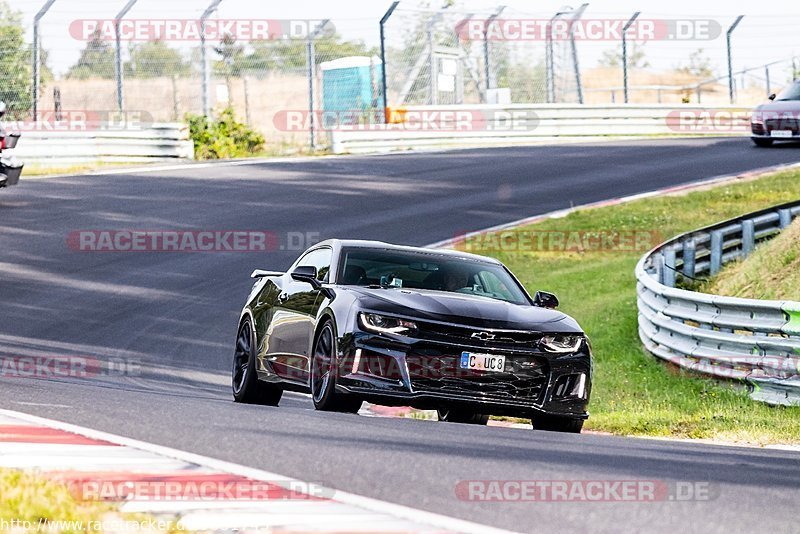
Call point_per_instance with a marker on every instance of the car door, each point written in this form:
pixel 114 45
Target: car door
pixel 291 331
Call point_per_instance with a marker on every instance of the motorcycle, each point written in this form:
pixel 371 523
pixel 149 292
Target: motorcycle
pixel 10 167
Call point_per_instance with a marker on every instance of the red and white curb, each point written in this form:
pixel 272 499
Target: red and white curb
pixel 195 492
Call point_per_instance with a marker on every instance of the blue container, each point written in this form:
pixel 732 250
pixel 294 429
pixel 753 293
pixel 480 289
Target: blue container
pixel 351 90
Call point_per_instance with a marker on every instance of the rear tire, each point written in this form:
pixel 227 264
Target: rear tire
pixel 247 388
pixel 557 423
pixel 465 417
pixel 323 373
pixel 762 142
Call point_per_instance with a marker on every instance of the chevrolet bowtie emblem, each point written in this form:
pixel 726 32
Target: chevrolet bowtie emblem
pixel 483 336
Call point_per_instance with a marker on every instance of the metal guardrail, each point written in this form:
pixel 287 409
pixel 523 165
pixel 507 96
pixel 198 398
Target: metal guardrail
pixel 61 148
pixel 756 341
pixel 481 125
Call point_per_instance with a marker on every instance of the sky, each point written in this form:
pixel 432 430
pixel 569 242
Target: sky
pixel 766 33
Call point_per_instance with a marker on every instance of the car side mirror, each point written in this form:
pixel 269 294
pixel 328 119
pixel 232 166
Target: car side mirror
pixel 306 273
pixel 772 96
pixel 543 299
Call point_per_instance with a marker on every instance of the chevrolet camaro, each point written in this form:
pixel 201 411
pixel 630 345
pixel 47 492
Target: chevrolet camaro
pixel 355 321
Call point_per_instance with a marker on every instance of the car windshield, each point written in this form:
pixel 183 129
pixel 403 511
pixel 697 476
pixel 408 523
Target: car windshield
pixel 437 272
pixel 790 93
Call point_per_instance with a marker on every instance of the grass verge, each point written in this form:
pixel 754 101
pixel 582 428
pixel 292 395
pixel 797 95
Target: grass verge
pixel 30 503
pixel 633 392
pixel 771 272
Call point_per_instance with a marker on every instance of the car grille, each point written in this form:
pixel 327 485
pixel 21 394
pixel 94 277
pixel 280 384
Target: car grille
pixel 783 124
pixel 461 335
pixel 524 380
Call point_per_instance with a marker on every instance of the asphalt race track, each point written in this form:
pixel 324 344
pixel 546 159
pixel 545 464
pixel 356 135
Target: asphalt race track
pixel 176 314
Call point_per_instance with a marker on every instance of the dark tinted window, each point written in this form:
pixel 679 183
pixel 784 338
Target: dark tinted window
pixel 437 272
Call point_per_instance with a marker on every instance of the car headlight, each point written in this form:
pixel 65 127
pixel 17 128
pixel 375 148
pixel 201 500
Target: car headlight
pixel 382 324
pixel 757 119
pixel 560 344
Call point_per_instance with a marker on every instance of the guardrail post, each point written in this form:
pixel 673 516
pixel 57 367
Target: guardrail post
pixel 716 252
pixel 658 265
pixel 689 257
pixel 785 217
pixel 748 237
pixel 669 267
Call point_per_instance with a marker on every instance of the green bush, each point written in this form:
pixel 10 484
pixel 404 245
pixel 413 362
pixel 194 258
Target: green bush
pixel 224 137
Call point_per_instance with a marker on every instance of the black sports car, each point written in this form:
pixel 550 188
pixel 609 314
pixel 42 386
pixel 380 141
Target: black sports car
pixel 363 320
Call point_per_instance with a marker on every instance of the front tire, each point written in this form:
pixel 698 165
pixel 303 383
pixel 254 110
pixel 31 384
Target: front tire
pixel 323 375
pixel 466 417
pixel 557 423
pixel 763 143
pixel 247 388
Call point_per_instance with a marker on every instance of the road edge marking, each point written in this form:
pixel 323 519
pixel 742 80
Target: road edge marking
pixel 397 510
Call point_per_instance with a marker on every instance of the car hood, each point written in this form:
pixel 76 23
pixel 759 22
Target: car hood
pixel 467 310
pixel 780 107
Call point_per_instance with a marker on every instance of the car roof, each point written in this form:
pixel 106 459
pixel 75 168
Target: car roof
pixel 380 245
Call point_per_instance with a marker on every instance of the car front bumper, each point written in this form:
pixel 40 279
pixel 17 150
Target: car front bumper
pixel 426 375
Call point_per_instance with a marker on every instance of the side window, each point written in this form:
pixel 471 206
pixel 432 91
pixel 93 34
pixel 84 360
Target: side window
pixel 321 259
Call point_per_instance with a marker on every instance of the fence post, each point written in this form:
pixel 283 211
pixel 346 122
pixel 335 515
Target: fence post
pixel 574 49
pixel 384 20
pixel 625 54
pixel 204 56
pixel 486 65
pixel 730 62
pixel 36 57
pixel 247 118
pixel 766 74
pixel 311 60
pixel 549 61
pixel 118 51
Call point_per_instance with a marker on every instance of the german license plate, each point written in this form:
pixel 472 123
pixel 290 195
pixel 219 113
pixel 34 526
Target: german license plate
pixel 781 133
pixel 483 362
